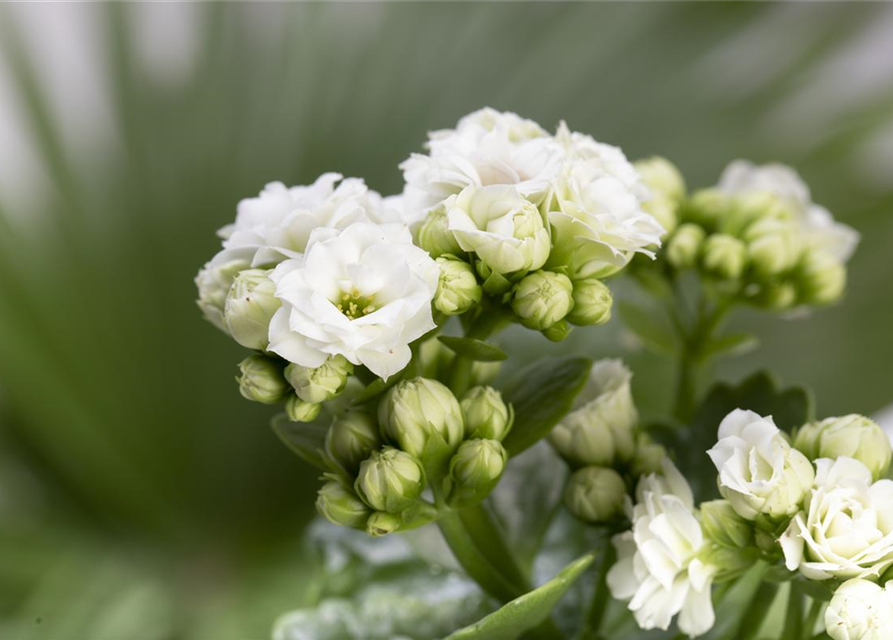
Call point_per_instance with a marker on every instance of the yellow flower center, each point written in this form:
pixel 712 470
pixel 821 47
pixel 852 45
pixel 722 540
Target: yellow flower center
pixel 353 305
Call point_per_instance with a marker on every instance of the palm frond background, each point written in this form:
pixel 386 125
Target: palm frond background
pixel 140 496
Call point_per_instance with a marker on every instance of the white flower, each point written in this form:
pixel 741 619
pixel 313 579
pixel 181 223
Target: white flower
pixel 504 229
pixel 657 568
pixel 277 224
pixel 364 293
pixel 759 472
pixel 817 224
pixel 846 527
pixel 860 610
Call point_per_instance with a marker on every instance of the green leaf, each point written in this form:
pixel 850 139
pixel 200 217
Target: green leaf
pixel 307 439
pixel 733 344
pixel 474 349
pixel 651 327
pixel 542 393
pixel 528 611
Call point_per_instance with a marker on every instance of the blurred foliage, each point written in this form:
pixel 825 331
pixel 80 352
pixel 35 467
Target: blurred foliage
pixel 141 496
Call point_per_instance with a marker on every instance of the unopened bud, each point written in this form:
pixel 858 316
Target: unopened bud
pixel 390 480
pixel 776 296
pixel 773 246
pixel 457 287
pixel 748 209
pixel 661 176
pixel 558 332
pixel 821 278
pixel 414 411
pixel 300 411
pixel 853 436
pixel 474 471
pixel 261 380
pixel 685 246
pixel 542 298
pixel 249 306
pixel 351 439
pixel 724 256
pixel 320 384
pixel 339 505
pixel 706 208
pixel 592 303
pixel 722 524
pixel 486 415
pixel 213 283
pixel 649 456
pixel 595 494
pixel 435 237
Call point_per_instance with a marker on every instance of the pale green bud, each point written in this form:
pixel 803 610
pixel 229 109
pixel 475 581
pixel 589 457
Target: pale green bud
pixel 457 287
pixel 300 411
pixel 853 436
pixel 351 439
pixel 416 410
pixel 381 523
pixel 749 208
pixel 322 383
pixel 558 331
pixel 706 207
pixel 661 176
pixel 722 524
pixel 475 470
pixel 649 456
pixel 486 415
pixel 249 306
pixel 261 380
pixel 600 428
pixel 773 246
pixel 339 505
pixel 390 480
pixel 595 494
pixel 685 246
pixel 730 562
pixel 821 278
pixel 664 210
pixel 776 296
pixel 435 237
pixel 592 303
pixel 213 283
pixel 542 298
pixel 724 256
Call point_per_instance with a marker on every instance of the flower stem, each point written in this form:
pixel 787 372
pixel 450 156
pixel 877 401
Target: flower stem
pixel 793 622
pixel 595 614
pixel 811 618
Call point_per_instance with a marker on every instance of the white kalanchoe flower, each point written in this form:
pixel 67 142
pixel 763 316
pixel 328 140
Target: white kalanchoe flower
pixel 860 610
pixel 364 293
pixel 658 570
pixel 759 472
pixel 820 230
pixel 845 529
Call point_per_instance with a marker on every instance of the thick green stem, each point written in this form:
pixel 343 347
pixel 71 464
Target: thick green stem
pixel 595 614
pixel 755 615
pixel 812 618
pixel 489 539
pixel 793 621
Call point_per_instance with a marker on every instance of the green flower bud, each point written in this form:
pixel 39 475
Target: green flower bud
pixel 661 176
pixel 595 494
pixel 416 410
pixel 649 456
pixel 486 415
pixel 249 307
pixel 773 246
pixel 381 523
pixel 600 428
pixel 706 208
pixel 748 209
pixel 339 505
pixel 261 380
pixel 301 411
pixel 558 331
pixel 853 436
pixel 457 287
pixel 474 471
pixel 730 562
pixel 213 283
pixel 322 383
pixel 351 439
pixel 821 278
pixel 390 480
pixel 724 256
pixel 542 298
pixel 435 237
pixel 685 246
pixel 722 524
pixel 776 296
pixel 592 303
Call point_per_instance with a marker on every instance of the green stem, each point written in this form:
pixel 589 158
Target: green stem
pixel 815 609
pixel 793 621
pixel 595 614
pixel 488 538
pixel 755 614
pixel 460 375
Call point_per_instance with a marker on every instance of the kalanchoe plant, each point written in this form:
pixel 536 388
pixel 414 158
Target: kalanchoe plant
pixel 347 301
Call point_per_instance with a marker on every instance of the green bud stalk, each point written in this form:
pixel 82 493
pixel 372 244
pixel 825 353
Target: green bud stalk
pixel 390 480
pixel 457 287
pixel 595 495
pixel 474 471
pixel 592 303
pixel 542 298
pixel 853 436
pixel 339 505
pixel 300 411
pixel 724 256
pixel 415 411
pixel 261 380
pixel 486 415
pixel 351 439
pixel 250 306
pixel 322 383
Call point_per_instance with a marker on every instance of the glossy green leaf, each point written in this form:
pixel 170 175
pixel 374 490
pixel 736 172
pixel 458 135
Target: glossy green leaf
pixel 528 611
pixel 307 439
pixel 733 344
pixel 651 327
pixel 542 393
pixel 474 349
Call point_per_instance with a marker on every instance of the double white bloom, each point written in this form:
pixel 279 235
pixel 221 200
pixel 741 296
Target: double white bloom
pixel 657 569
pixel 860 610
pixel 759 472
pixel 846 527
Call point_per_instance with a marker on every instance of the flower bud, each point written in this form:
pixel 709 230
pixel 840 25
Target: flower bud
pixel 249 306
pixel 592 303
pixel 339 505
pixel 649 456
pixel 853 436
pixel 776 296
pixel 706 207
pixel 486 415
pixel 381 523
pixel 351 439
pixel 213 283
pixel 474 471
pixel 320 384
pixel 595 494
pixel 457 287
pixel 860 610
pixel 390 480
pixel 773 246
pixel 435 237
pixel 661 176
pixel 821 278
pixel 301 411
pixel 685 246
pixel 750 208
pixel 600 428
pixel 261 380
pixel 722 524
pixel 414 411
pixel 724 256
pixel 558 332
pixel 542 298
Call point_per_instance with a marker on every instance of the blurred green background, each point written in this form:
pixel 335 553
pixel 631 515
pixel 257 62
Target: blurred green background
pixel 140 496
